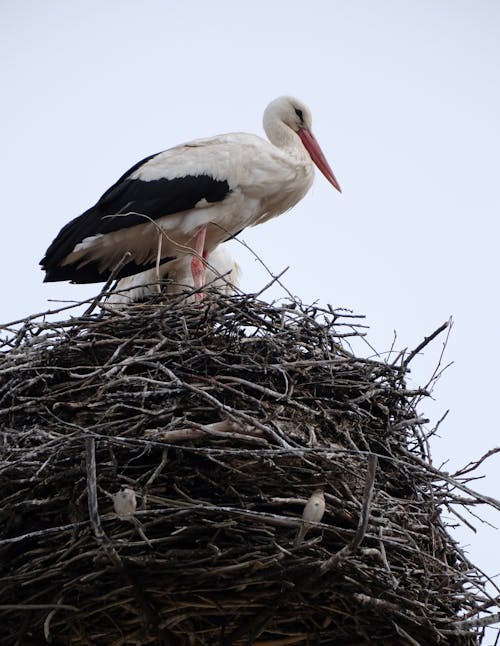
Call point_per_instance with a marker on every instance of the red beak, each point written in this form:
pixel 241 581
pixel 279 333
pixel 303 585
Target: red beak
pixel 317 156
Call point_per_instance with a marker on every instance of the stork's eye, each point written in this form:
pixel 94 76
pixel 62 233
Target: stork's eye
pixel 300 114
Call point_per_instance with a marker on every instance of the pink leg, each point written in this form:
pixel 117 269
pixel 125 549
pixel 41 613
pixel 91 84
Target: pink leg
pixel 197 264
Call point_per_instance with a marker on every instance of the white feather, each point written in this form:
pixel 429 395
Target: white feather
pixel 223 274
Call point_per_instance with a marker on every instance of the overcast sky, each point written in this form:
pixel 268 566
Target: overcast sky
pixel 406 105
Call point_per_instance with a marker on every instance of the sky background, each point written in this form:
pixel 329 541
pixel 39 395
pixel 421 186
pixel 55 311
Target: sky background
pixel 405 97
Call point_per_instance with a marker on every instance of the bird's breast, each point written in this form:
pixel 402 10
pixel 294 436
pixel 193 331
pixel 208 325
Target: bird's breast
pixel 287 190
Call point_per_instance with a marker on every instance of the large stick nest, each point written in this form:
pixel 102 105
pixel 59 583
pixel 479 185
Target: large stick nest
pixel 224 418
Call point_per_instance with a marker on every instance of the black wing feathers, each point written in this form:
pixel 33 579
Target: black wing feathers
pixel 127 203
pixel 135 197
pixel 125 176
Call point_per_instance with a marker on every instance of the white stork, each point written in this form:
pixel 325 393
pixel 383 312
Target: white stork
pixel 189 199
pixel 223 274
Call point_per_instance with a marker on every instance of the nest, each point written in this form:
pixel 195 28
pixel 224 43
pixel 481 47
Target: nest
pixel 224 419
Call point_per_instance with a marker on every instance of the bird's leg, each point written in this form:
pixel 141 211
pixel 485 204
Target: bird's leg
pixel 197 264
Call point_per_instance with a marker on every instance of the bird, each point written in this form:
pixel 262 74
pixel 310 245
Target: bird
pixel 125 502
pixel 188 199
pixel 223 275
pixel 313 513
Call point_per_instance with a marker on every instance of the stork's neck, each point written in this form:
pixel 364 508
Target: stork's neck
pixel 282 136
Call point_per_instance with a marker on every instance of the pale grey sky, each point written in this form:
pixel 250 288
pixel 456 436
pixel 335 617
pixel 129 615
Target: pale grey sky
pixel 406 105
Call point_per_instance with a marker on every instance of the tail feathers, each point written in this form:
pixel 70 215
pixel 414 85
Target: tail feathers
pixel 92 273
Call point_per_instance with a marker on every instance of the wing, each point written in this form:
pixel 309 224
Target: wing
pixel 163 184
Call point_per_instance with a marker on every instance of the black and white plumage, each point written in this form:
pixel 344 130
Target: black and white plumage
pixel 189 199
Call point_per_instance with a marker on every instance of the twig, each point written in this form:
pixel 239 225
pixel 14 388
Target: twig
pixel 358 537
pixel 95 520
pixel 116 270
pixel 477 622
pixel 421 346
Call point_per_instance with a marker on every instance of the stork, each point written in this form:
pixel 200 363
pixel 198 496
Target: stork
pixel 189 199
pixel 222 273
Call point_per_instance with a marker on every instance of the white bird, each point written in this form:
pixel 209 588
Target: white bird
pixel 313 513
pixel 125 502
pixel 189 199
pixel 223 274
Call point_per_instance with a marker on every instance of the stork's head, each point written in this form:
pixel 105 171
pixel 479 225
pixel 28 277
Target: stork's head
pixel 292 113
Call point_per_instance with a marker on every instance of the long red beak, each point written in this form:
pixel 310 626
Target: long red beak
pixel 317 156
